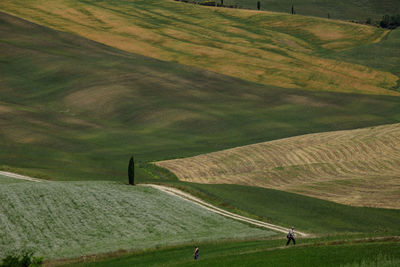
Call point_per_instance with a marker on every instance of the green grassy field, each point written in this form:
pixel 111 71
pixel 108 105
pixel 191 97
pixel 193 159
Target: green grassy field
pixel 84 108
pixel 383 55
pixel 67 219
pixel 353 10
pixel 8 180
pixel 264 47
pixel 75 109
pixel 305 213
pixel 262 254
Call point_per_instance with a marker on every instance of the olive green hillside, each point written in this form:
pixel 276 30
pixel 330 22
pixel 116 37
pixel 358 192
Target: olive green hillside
pixel 383 55
pixel 71 108
pixel 264 47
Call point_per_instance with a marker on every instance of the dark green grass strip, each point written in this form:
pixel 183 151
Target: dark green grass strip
pixel 287 209
pixel 261 253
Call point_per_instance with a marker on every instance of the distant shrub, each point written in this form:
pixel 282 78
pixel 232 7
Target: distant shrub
pixel 24 260
pixel 208 3
pixel 390 22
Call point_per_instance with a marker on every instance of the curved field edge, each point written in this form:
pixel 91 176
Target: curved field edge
pixel 74 109
pixel 261 253
pixel 286 209
pixel 67 219
pixel 268 48
pixel 358 167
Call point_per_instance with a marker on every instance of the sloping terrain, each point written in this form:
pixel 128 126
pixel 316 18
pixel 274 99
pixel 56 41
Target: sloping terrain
pixel 357 167
pixel 66 219
pixel 308 214
pixel 269 48
pixel 353 10
pixel 71 108
pixel 384 55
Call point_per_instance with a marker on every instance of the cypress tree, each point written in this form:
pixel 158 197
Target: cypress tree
pixel 131 171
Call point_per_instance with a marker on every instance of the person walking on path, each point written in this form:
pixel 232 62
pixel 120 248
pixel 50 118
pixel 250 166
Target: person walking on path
pixel 196 253
pixel 290 236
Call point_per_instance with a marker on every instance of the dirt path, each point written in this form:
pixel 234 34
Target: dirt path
pixel 178 193
pixel 188 197
pixel 18 176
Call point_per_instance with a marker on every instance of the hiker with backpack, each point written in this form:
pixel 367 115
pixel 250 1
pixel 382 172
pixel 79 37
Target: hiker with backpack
pixel 290 236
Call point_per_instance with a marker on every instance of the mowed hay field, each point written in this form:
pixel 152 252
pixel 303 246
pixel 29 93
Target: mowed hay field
pixel 268 48
pixel 74 109
pixel 356 167
pixel 68 219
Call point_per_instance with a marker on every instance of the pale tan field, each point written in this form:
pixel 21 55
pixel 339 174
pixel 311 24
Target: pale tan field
pixel 356 167
pixel 269 48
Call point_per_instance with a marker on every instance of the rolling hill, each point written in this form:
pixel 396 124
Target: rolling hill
pixel 86 84
pixel 69 219
pixel 264 47
pixel 357 167
pixel 75 109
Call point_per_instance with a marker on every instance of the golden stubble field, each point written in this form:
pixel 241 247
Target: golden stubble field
pixel 356 167
pixel 265 47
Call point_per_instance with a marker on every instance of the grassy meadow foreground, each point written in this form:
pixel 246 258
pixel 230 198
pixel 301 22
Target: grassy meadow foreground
pixel 69 219
pixel 341 166
pixel 267 253
pixel 85 108
pixel 264 47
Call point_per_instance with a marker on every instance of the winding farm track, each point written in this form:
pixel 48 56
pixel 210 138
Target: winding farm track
pixel 178 193
pixel 354 167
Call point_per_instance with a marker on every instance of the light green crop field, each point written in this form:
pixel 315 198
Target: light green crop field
pixel 66 219
pixel 352 10
pixel 264 47
pixel 8 180
pixel 75 109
